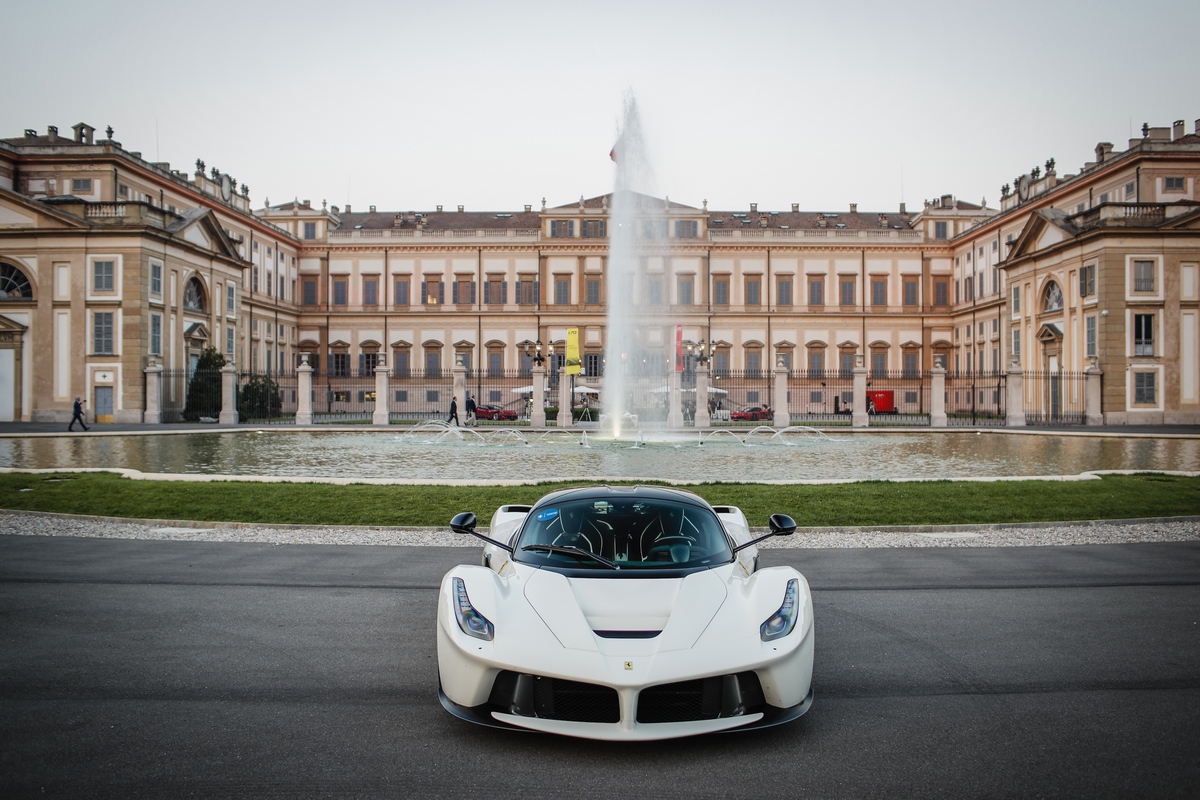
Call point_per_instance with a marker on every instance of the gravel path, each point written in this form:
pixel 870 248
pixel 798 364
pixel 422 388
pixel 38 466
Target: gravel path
pixel 1043 534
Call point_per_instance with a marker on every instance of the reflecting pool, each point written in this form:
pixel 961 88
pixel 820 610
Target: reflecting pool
pixel 434 455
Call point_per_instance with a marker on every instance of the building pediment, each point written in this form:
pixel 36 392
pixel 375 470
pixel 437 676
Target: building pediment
pixel 18 211
pixel 196 330
pixel 1049 332
pixel 1045 227
pixel 199 226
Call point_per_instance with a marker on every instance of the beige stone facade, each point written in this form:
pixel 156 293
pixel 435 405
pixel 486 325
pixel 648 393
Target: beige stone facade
pixel 1097 269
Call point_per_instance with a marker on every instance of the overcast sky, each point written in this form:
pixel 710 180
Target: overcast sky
pixel 495 105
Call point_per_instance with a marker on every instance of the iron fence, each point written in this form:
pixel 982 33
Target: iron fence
pixel 421 397
pixel 501 393
pixel 897 398
pixel 1055 398
pixel 343 399
pixel 740 397
pixel 975 399
pixel 267 399
pixel 820 397
pixel 190 395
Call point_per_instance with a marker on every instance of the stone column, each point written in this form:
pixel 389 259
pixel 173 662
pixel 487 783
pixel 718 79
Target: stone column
pixel 1092 398
pixel 460 390
pixel 382 414
pixel 860 418
pixel 229 378
pixel 304 391
pixel 153 413
pixel 783 417
pixel 937 397
pixel 674 400
pixel 564 399
pixel 1014 411
pixel 537 414
pixel 703 420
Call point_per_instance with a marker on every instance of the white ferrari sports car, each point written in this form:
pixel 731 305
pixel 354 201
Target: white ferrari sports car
pixel 624 613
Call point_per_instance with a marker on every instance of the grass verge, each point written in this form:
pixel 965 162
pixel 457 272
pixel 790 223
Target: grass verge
pixel 873 503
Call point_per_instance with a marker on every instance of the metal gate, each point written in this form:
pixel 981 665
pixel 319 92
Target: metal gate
pixel 1055 398
pixel 267 399
pixel 820 397
pixel 976 399
pixel 898 398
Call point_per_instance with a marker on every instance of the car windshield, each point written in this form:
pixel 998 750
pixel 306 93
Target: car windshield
pixel 627 533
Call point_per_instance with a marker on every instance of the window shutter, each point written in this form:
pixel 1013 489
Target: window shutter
pixel 571 228
pixel 487 292
pixel 441 293
pixel 536 294
pixel 503 291
pixel 472 301
pixel 362 364
pixel 553 228
pixel 424 292
pixel 454 292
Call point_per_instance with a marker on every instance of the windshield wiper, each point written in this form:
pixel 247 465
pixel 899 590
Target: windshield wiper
pixel 571 551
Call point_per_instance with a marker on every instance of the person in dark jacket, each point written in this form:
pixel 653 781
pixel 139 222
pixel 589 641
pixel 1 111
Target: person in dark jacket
pixel 453 411
pixel 471 418
pixel 77 416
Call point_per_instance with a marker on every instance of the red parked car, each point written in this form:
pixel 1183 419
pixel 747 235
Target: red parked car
pixel 494 412
pixel 752 414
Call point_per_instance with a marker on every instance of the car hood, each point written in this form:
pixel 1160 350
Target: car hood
pixel 678 609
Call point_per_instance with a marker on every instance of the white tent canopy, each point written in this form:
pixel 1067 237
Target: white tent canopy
pixel 586 390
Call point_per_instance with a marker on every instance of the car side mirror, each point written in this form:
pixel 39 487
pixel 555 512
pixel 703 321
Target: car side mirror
pixel 463 523
pixel 781 525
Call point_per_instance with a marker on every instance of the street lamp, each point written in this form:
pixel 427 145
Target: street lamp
pixel 538 358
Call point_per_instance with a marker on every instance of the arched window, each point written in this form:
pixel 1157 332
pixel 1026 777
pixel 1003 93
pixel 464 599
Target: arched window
pixel 1054 298
pixel 13 284
pixel 193 295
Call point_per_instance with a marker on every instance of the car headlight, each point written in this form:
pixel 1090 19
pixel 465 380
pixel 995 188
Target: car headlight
pixel 782 621
pixel 470 621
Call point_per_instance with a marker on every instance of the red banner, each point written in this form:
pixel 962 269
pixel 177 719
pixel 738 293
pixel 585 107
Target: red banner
pixel 679 348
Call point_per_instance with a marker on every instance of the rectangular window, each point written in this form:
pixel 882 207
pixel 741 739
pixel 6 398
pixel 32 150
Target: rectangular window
pixel 721 292
pixel 371 292
pixel 156 334
pixel 156 279
pixel 310 293
pixel 593 293
pixel 254 280
pixel 816 364
pixel 1143 387
pixel 122 190
pixel 366 364
pixel 229 340
pixel 310 230
pixel 562 291
pixel 562 228
pixel 495 364
pixel 269 281
pixel 939 230
pixel 783 291
pixel 1173 185
pixel 910 292
pixel 102 275
pixel 81 185
pixel 878 365
pixel 433 364
pixel 339 293
pixel 969 285
pixel 910 365
pixel 941 293
pixel 654 228
pixel 229 298
pixel 594 229
pixel 433 293
pixel 958 291
pixel 721 363
pixel 1016 345
pixel 527 293
pixel 1016 299
pixel 401 292
pixel 1090 325
pixel 463 292
pixel 1104 197
pixel 654 292
pixel 102 333
pixel 1143 276
pixel 401 358
pixel 816 292
pixel 879 292
pixel 591 364
pixel 1130 190
pixel 1087 280
pixel 753 367
pixel 1143 334
pixel 847 365
pixel 687 229
pixel 754 292
pixel 847 291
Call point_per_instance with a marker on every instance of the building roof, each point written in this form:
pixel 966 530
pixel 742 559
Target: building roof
pixel 604 201
pixel 859 220
pixel 438 220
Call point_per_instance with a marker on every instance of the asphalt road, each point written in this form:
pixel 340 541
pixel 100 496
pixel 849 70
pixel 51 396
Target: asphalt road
pixel 187 669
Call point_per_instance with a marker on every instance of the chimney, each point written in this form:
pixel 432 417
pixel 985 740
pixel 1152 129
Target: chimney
pixel 753 207
pixel 460 209
pixel 1198 126
pixel 947 201
pixel 1102 151
pixel 30 133
pixel 1176 130
pixel 52 131
pixel 334 209
pixel 372 209
pixel 903 210
pixel 528 208
pixel 347 208
pixel 854 208
pixel 439 208
pixel 1159 134
pixel 795 208
pixel 308 203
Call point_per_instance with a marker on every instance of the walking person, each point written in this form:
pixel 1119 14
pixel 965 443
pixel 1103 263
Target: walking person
pixel 78 415
pixel 472 419
pixel 453 411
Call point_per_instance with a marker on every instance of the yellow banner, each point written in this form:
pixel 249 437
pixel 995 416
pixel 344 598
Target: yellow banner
pixel 574 366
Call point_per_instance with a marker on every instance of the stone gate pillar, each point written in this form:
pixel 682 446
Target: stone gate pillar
pixel 153 413
pixel 1014 399
pixel 229 378
pixel 537 413
pixel 937 397
pixel 859 418
pixel 783 417
pixel 703 419
pixel 675 395
pixel 460 389
pixel 382 414
pixel 304 391
pixel 564 399
pixel 1092 396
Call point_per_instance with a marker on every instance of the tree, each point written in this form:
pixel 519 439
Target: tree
pixel 260 398
pixel 204 388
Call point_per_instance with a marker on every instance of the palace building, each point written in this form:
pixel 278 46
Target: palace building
pixel 112 265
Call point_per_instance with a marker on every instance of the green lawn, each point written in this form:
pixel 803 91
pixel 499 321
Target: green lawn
pixel 874 503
